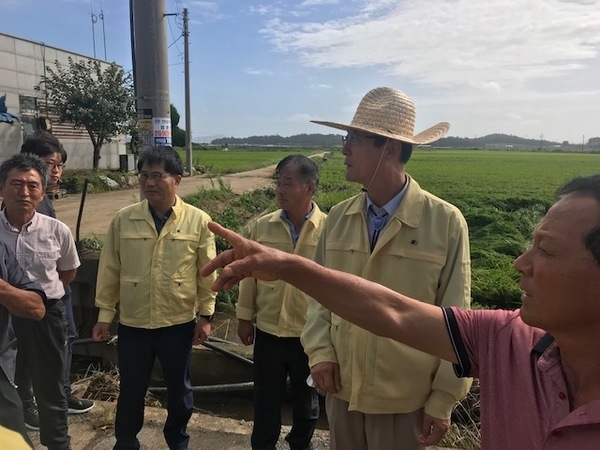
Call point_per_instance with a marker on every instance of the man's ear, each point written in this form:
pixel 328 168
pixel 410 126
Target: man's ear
pixel 311 188
pixel 393 148
pixel 177 180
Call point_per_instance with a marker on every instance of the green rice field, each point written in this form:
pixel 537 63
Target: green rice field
pixel 502 195
pixel 219 162
pixel 477 176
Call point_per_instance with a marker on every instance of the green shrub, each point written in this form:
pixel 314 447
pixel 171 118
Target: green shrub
pixel 73 181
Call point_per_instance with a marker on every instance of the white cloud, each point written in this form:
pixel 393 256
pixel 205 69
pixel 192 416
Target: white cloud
pixel 267 9
pixel 493 65
pixel 261 10
pixel 208 11
pixel 252 71
pixel 206 6
pixel 307 3
pixel 451 43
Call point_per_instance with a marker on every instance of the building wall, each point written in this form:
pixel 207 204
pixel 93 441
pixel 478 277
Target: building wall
pixel 22 65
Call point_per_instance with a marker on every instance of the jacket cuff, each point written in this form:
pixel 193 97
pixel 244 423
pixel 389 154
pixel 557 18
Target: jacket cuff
pixel 440 404
pixel 244 313
pixel 105 315
pixel 324 355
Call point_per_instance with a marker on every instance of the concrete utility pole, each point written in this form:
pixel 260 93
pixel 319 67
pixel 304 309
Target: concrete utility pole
pixel 188 113
pixel 151 71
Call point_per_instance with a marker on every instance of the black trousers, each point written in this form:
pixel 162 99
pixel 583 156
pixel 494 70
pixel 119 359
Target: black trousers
pixel 137 350
pixel 22 375
pixel 274 359
pixel 11 409
pixel 41 353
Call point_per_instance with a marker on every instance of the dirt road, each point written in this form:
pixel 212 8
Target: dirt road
pixel 99 209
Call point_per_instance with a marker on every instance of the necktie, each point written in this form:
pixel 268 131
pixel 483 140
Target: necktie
pixel 378 222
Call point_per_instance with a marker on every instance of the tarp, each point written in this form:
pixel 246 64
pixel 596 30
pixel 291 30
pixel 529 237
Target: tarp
pixel 5 116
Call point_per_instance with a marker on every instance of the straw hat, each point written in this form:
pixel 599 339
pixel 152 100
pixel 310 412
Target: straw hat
pixel 390 113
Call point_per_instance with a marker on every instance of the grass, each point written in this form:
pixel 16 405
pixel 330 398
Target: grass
pixel 478 175
pixel 501 194
pixel 220 162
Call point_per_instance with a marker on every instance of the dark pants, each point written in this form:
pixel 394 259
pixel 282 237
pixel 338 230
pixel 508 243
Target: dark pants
pixel 11 409
pixel 137 350
pixel 71 336
pixel 41 356
pixel 274 359
pixel 23 376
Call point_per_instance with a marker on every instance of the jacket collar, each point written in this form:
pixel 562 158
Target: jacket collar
pixel 141 210
pixel 315 217
pixel 410 209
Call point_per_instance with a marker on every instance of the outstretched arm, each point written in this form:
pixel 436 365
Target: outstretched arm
pixel 367 304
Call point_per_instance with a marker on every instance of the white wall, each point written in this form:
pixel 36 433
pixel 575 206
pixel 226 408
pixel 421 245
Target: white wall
pixel 22 64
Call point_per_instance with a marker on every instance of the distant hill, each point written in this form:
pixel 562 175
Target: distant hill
pixel 298 140
pixel 493 140
pixel 497 140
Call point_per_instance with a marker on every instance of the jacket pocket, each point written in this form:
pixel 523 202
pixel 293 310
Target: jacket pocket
pixel 183 288
pixel 415 273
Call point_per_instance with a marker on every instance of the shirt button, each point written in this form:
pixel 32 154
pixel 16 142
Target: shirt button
pixel 562 396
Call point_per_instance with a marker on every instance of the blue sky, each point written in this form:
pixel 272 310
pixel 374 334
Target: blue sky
pixel 528 68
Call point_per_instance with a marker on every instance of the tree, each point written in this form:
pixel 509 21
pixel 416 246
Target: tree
pixel 178 134
pixel 101 101
pixel 175 117
pixel 594 142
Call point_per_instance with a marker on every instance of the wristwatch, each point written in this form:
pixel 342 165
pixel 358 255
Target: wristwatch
pixel 205 317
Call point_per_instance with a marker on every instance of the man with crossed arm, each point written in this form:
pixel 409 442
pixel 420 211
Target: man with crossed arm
pixel 46 250
pixel 19 297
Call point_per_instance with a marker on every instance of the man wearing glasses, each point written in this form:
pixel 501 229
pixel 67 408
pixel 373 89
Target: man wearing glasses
pixel 149 266
pixel 279 310
pixel 47 146
pixel 383 395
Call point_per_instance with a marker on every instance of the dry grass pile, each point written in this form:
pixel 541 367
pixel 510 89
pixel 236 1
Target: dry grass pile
pixel 464 432
pixel 103 385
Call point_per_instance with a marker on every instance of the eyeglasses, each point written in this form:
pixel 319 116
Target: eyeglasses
pixel 51 166
pixel 154 176
pixel 352 139
pixel 284 185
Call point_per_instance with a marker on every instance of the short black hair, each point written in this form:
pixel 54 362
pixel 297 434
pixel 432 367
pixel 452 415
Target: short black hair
pixel 405 147
pixel 588 186
pixel 309 171
pixel 43 143
pixel 24 162
pixel 161 154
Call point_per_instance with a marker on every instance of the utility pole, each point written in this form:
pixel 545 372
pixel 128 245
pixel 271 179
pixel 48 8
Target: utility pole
pixel 151 69
pixel 101 17
pixel 188 115
pixel 94 20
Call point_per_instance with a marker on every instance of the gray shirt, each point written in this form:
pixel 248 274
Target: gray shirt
pixel 11 272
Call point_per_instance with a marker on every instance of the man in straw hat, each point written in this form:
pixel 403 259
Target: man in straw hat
pixel 538 366
pixel 382 394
